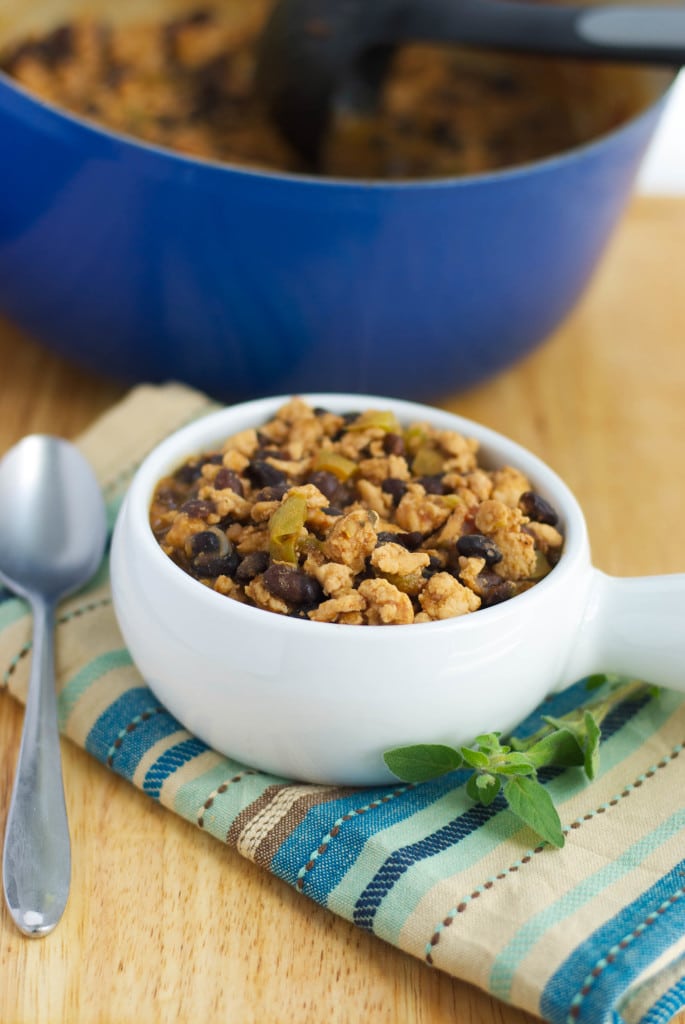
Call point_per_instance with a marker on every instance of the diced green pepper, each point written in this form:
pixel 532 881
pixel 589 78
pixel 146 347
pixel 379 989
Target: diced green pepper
pixel 379 419
pixel 410 584
pixel 332 462
pixel 542 566
pixel 284 528
pixel 427 462
pixel 450 500
pixel 415 437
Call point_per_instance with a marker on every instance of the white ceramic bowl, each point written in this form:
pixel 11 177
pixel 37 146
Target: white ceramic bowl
pixel 321 702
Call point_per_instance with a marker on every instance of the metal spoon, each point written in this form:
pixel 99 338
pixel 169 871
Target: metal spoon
pixel 311 48
pixel 52 538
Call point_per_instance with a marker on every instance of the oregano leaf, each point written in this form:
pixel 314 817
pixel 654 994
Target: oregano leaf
pixel 487 786
pixel 422 761
pixel 472 788
pixel 593 734
pixel 560 748
pixel 523 767
pixel 596 681
pixel 489 743
pixel 474 758
pixel 530 801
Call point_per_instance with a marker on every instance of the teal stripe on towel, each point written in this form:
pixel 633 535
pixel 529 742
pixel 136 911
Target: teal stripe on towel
pixel 512 956
pixel 11 610
pixel 84 679
pixel 124 733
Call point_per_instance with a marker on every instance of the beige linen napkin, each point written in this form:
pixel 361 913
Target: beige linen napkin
pixel 593 932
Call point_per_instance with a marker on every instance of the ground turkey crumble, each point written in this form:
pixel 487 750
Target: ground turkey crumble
pixel 355 519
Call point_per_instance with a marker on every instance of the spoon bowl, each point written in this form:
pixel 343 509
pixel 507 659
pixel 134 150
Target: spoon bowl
pixel 52 537
pixel 47 501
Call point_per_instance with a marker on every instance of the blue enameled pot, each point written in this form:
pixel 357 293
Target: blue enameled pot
pixel 147 265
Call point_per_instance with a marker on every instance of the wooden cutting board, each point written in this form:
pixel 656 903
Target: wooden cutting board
pixel 165 924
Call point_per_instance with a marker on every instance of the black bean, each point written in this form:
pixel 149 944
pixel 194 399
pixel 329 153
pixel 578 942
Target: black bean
pixel 493 589
pixel 435 565
pixel 301 611
pixel 343 496
pixel 274 493
pixel 228 479
pixel 207 564
pixel 452 561
pixel 367 573
pixel 432 484
pixel 444 132
pixel 395 487
pixel 115 75
pixel 51 50
pixel 553 556
pixel 393 444
pixel 347 418
pixel 197 508
pixel 292 585
pixel 189 472
pixel 538 508
pixel 205 542
pixel 411 540
pixel 267 453
pixel 252 565
pixel 167 496
pixel 59 44
pixel 209 82
pixel 263 474
pixel 476 545
pixel 333 510
pixel 227 521
pixel 326 482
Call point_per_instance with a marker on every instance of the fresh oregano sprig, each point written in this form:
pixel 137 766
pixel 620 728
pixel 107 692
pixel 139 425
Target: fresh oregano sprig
pixel 511 768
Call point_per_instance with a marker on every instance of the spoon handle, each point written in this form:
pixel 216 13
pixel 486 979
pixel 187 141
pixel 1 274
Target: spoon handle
pixel 37 853
pixel 643 33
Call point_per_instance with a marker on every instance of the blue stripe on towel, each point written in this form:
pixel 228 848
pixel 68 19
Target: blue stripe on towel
pixel 127 729
pixel 366 817
pixel 658 915
pixel 404 858
pixel 667 1005
pixel 456 830
pixel 360 827
pixel 169 762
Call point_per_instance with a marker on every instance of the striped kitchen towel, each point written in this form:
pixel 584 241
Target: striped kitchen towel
pixel 593 932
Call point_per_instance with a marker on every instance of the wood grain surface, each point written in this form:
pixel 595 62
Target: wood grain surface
pixel 166 924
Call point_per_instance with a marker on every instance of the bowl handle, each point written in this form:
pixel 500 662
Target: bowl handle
pixel 633 626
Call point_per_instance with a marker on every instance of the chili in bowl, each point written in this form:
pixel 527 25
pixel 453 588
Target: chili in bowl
pixel 299 611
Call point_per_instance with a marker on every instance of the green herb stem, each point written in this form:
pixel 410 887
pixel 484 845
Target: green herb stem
pixel 511 768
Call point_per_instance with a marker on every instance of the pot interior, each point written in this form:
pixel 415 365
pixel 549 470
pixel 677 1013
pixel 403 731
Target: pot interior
pixel 445 111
